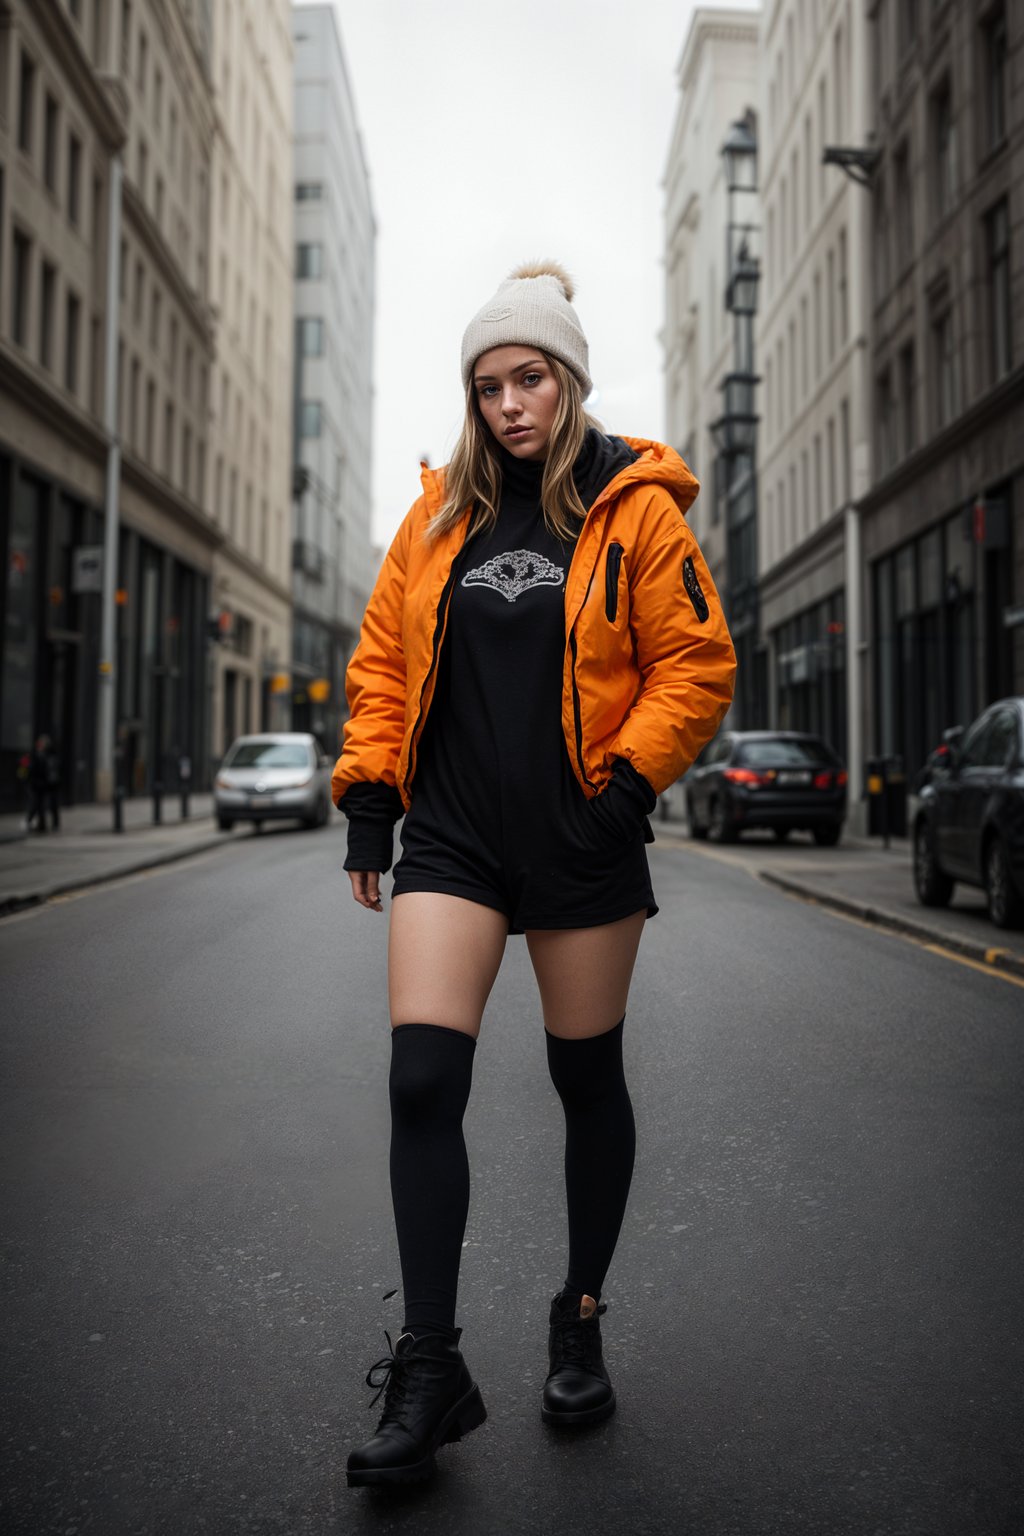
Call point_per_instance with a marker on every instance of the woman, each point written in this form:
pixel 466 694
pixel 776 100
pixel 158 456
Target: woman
pixel 544 652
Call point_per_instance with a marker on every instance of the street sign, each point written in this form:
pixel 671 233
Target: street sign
pixel 87 568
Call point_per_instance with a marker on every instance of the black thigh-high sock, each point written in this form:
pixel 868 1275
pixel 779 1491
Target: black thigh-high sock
pixel 431 1074
pixel 600 1143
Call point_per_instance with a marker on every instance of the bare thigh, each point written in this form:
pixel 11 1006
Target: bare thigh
pixel 443 955
pixel 584 974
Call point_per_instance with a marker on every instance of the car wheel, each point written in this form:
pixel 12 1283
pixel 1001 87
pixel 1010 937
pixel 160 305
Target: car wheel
pixel 1005 907
pixel 828 836
pixel 933 888
pixel 721 827
pixel 224 823
pixel 697 831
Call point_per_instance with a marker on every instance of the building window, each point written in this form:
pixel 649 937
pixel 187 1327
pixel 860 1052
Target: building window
pixel 997 232
pixel 71 343
pixel 906 25
pixel 308 191
pixel 150 420
pixel 943 151
pixel 903 206
pixel 831 303
pixel 844 433
pixel 20 287
pixel 994 94
pixel 944 356
pixel 74 177
pixel 47 301
pixel 844 292
pixel 309 261
pixel 133 407
pixel 169 440
pixel 311 338
pixel 885 433
pixel 26 102
pixel 126 36
pixel 143 58
pixel 908 424
pixel 140 286
pixel 50 121
pixel 143 164
pixel 881 241
pixel 310 418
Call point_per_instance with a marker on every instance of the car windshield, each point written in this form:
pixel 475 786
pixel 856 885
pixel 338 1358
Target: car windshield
pixel 268 754
pixel 783 754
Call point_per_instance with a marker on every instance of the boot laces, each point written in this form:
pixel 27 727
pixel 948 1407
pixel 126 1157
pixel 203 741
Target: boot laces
pixel 577 1340
pixel 393 1376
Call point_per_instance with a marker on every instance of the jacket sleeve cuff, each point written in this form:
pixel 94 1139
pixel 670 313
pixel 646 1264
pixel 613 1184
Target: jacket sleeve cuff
pixel 371 845
pixel 626 802
pixel 372 810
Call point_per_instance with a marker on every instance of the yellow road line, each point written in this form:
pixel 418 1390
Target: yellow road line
pixel 910 938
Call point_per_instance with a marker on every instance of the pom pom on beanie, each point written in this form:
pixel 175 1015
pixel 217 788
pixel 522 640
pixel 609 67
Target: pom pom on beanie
pixel 532 308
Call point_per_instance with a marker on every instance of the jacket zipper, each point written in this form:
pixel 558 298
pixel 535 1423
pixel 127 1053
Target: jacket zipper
pixel 611 581
pixel 576 710
pixel 442 615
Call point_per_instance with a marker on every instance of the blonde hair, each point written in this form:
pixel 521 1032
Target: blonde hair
pixel 473 477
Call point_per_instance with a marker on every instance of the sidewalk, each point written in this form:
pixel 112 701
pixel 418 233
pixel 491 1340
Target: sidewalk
pixel 863 879
pixel 86 851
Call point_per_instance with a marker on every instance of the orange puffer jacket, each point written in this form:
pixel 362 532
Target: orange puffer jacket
pixel 649 666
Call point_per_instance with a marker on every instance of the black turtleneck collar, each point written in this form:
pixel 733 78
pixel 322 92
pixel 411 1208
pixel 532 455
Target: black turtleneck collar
pixel 599 460
pixel 521 477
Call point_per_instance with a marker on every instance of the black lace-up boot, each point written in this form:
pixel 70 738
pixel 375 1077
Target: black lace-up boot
pixel 578 1390
pixel 430 1399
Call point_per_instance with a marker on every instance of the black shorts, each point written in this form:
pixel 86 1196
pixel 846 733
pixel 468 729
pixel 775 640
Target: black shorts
pixel 539 873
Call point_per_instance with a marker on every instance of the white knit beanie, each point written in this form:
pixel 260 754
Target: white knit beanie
pixel 532 308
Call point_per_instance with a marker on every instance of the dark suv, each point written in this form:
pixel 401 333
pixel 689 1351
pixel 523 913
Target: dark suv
pixel 969 824
pixel 779 779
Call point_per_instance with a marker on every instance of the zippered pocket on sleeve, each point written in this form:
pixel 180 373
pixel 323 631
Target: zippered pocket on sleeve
pixel 611 581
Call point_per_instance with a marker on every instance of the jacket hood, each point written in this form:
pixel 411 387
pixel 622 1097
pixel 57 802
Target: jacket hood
pixel 612 470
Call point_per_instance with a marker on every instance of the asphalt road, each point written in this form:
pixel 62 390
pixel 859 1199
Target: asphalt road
pixel 814 1321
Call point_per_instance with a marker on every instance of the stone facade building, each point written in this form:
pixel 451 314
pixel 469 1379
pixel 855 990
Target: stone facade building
pixel 815 459
pixel 718 81
pixel 249 467
pixel 83 82
pixel 943 521
pixel 335 236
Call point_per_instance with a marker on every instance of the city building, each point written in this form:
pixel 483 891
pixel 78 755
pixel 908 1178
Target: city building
pixel 87 87
pixel 815 461
pixel 943 520
pixel 332 397
pixel 249 459
pixel 717 79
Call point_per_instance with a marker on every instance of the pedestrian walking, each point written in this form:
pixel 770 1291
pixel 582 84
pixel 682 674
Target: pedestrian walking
pixel 44 785
pixel 544 652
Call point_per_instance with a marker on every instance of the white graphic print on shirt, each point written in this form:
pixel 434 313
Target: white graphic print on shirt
pixel 516 572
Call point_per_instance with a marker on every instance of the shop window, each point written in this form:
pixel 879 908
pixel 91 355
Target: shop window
pixel 997 239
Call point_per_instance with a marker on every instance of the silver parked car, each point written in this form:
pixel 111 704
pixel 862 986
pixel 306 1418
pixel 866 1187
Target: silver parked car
pixel 274 777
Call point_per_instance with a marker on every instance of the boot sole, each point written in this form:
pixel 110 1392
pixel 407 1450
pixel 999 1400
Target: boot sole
pixel 585 1416
pixel 468 1414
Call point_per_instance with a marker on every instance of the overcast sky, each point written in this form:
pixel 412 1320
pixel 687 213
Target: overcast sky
pixel 495 134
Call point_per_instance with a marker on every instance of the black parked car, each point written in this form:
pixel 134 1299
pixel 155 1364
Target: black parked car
pixel 779 779
pixel 970 822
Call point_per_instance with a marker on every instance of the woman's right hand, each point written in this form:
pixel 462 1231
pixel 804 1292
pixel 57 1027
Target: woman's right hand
pixel 366 888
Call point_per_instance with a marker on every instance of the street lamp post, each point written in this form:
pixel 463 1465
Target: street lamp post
pixel 735 431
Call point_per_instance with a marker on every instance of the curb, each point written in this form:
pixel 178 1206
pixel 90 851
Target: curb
pixel 11 904
pixel 881 917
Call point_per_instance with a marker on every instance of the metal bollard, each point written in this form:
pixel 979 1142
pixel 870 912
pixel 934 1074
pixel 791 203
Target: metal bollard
pixel 184 802
pixel 119 808
pixel 158 792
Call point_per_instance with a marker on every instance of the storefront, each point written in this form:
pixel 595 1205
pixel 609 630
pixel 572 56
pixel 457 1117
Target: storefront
pixel 51 595
pixel 810 672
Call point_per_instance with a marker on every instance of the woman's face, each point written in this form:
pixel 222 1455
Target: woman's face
pixel 518 396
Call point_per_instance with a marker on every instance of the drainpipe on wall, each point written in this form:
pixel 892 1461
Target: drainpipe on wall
pixel 106 723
